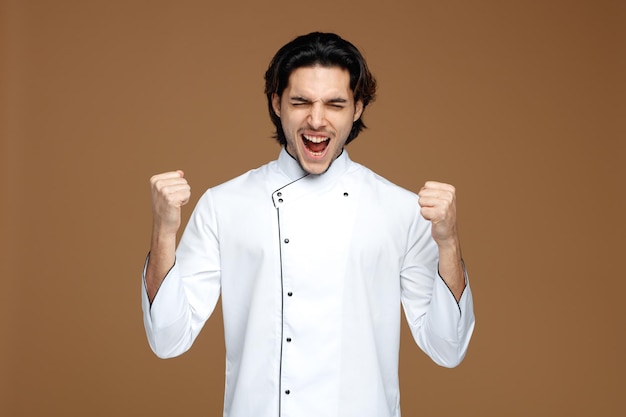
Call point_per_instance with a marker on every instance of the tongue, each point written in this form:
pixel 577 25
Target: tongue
pixel 317 147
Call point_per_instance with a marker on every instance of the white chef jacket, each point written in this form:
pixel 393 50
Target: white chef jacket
pixel 312 270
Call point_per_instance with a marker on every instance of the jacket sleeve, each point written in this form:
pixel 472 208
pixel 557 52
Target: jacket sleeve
pixel 189 293
pixel 440 326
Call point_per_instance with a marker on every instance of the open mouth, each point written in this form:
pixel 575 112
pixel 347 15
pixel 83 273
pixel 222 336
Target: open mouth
pixel 316 145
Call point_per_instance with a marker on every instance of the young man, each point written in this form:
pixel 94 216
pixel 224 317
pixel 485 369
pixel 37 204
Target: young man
pixel 312 255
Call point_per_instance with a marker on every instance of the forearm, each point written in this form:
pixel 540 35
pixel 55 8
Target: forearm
pixel 162 258
pixel 451 267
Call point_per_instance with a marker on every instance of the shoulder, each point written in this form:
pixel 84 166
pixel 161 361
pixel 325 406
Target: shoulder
pixel 250 184
pixel 380 186
pixel 387 206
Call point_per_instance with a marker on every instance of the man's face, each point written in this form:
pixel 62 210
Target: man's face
pixel 317 110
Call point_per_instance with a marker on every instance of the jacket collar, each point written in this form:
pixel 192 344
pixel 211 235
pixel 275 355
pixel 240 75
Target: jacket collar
pixel 290 167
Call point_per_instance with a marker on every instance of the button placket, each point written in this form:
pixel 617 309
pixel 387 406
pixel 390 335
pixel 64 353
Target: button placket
pixel 289 293
pixel 280 198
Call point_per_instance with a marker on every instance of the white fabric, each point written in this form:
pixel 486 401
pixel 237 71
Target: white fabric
pixel 311 270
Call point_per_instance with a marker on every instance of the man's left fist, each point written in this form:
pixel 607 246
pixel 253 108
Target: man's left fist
pixel 438 205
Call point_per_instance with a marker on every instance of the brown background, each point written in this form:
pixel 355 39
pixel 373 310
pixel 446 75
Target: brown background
pixel 520 104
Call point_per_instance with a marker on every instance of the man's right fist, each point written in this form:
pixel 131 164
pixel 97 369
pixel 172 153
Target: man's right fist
pixel 170 191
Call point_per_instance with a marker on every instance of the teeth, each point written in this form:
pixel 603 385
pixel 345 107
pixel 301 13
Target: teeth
pixel 315 139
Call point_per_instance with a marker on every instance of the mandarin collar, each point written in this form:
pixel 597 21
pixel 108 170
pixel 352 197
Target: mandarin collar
pixel 290 167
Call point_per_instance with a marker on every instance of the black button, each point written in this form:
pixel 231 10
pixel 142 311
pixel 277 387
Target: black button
pixel 289 293
pixel 280 200
pixel 287 392
pixel 289 339
pixel 279 193
pixel 345 194
pixel 286 240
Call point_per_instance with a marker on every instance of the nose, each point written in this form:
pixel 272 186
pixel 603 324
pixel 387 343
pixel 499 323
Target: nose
pixel 317 115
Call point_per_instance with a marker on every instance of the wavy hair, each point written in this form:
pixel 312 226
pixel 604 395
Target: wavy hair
pixel 325 49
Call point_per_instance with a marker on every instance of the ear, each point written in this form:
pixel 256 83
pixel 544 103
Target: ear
pixel 276 104
pixel 358 110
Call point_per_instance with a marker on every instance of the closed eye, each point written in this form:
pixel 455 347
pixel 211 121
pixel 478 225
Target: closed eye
pixel 337 103
pixel 299 101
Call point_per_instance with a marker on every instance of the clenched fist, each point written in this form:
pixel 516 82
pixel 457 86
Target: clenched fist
pixel 170 191
pixel 438 205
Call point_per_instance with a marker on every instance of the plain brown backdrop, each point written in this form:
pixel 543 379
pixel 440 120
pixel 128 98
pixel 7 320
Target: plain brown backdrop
pixel 520 104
